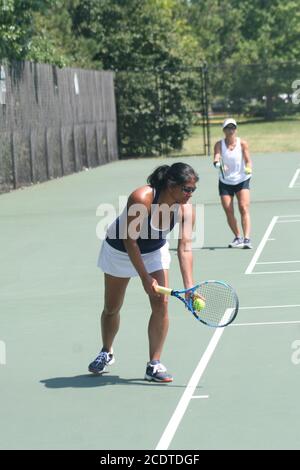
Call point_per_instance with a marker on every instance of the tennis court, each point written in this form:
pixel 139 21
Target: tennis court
pixel 234 388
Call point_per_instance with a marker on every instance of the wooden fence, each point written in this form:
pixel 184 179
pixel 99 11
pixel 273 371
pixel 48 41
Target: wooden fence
pixel 54 122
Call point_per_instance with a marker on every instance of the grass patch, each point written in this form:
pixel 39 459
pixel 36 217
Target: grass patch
pixel 281 135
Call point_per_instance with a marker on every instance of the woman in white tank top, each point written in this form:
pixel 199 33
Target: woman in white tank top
pixel 232 158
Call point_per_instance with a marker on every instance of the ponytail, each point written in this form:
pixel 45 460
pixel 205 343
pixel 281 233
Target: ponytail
pixel 159 178
pixel 176 174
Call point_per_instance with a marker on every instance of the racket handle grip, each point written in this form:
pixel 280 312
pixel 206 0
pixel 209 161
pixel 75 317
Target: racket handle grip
pixel 217 164
pixel 163 290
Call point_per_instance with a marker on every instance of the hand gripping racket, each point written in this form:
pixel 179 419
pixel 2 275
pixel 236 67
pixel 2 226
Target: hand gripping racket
pixel 221 167
pixel 221 302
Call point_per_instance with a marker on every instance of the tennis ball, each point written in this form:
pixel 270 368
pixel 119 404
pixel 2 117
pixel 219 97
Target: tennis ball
pixel 198 304
pixel 248 170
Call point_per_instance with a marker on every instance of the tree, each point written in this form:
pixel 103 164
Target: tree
pixel 252 47
pixel 17 26
pixel 146 41
pixel 131 34
pixel 271 39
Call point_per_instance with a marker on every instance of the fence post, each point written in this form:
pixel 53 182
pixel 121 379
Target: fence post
pixel 61 145
pixel 13 159
pixel 76 163
pixel 47 154
pixel 206 107
pixel 118 113
pixel 86 146
pixel 203 112
pixel 97 145
pixel 31 155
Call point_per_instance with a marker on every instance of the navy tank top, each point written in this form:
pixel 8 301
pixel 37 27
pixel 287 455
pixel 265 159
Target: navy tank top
pixel 151 238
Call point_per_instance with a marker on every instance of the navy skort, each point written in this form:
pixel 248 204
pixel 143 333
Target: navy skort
pixel 232 189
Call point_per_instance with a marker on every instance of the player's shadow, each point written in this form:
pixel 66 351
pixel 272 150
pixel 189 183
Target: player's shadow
pixel 210 248
pixel 90 381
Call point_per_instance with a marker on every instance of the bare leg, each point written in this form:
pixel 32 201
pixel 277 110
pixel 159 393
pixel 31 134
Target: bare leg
pixel 115 288
pixel 227 203
pixel 243 197
pixel 159 320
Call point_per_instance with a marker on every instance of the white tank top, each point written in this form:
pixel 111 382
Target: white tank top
pixel 234 164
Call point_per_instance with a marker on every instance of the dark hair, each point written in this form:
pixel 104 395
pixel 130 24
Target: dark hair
pixel 176 174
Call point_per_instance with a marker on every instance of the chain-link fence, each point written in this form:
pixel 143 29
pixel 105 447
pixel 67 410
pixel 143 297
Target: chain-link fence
pixel 54 122
pixel 170 112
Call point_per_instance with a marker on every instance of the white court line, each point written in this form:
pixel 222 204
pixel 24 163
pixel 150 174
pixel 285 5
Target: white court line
pixel 275 272
pixel 266 323
pixel 278 262
pixel 187 395
pixel 200 396
pixel 294 179
pixel 261 245
pixel 287 221
pixel 270 306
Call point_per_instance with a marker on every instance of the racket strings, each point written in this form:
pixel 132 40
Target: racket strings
pixel 220 304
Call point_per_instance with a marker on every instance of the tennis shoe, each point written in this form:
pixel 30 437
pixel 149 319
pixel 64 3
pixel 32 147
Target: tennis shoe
pixel 103 359
pixel 247 244
pixel 238 242
pixel 157 372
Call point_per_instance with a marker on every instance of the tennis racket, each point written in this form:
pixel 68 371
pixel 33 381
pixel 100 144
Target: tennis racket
pixel 222 168
pixel 221 302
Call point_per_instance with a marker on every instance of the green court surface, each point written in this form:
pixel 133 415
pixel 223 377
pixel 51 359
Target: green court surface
pixel 235 388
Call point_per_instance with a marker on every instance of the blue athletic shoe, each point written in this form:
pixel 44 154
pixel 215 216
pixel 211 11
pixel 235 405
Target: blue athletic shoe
pixel 157 372
pixel 247 243
pixel 238 242
pixel 103 359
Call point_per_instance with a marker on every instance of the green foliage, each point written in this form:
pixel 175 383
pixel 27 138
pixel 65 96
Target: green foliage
pixel 16 26
pixel 155 110
pixel 53 41
pixel 135 33
pixel 149 39
pixel 250 46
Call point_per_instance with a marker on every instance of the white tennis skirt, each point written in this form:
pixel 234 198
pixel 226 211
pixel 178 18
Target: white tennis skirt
pixel 117 263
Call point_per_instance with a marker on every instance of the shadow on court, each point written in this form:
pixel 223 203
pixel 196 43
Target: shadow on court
pixel 212 248
pixel 89 381
pixel 215 248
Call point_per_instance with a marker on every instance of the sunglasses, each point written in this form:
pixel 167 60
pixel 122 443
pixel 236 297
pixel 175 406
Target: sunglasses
pixel 188 190
pixel 230 127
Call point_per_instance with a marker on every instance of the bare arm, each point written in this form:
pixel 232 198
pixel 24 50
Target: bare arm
pixel 246 154
pixel 217 152
pixel 184 249
pixel 137 211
